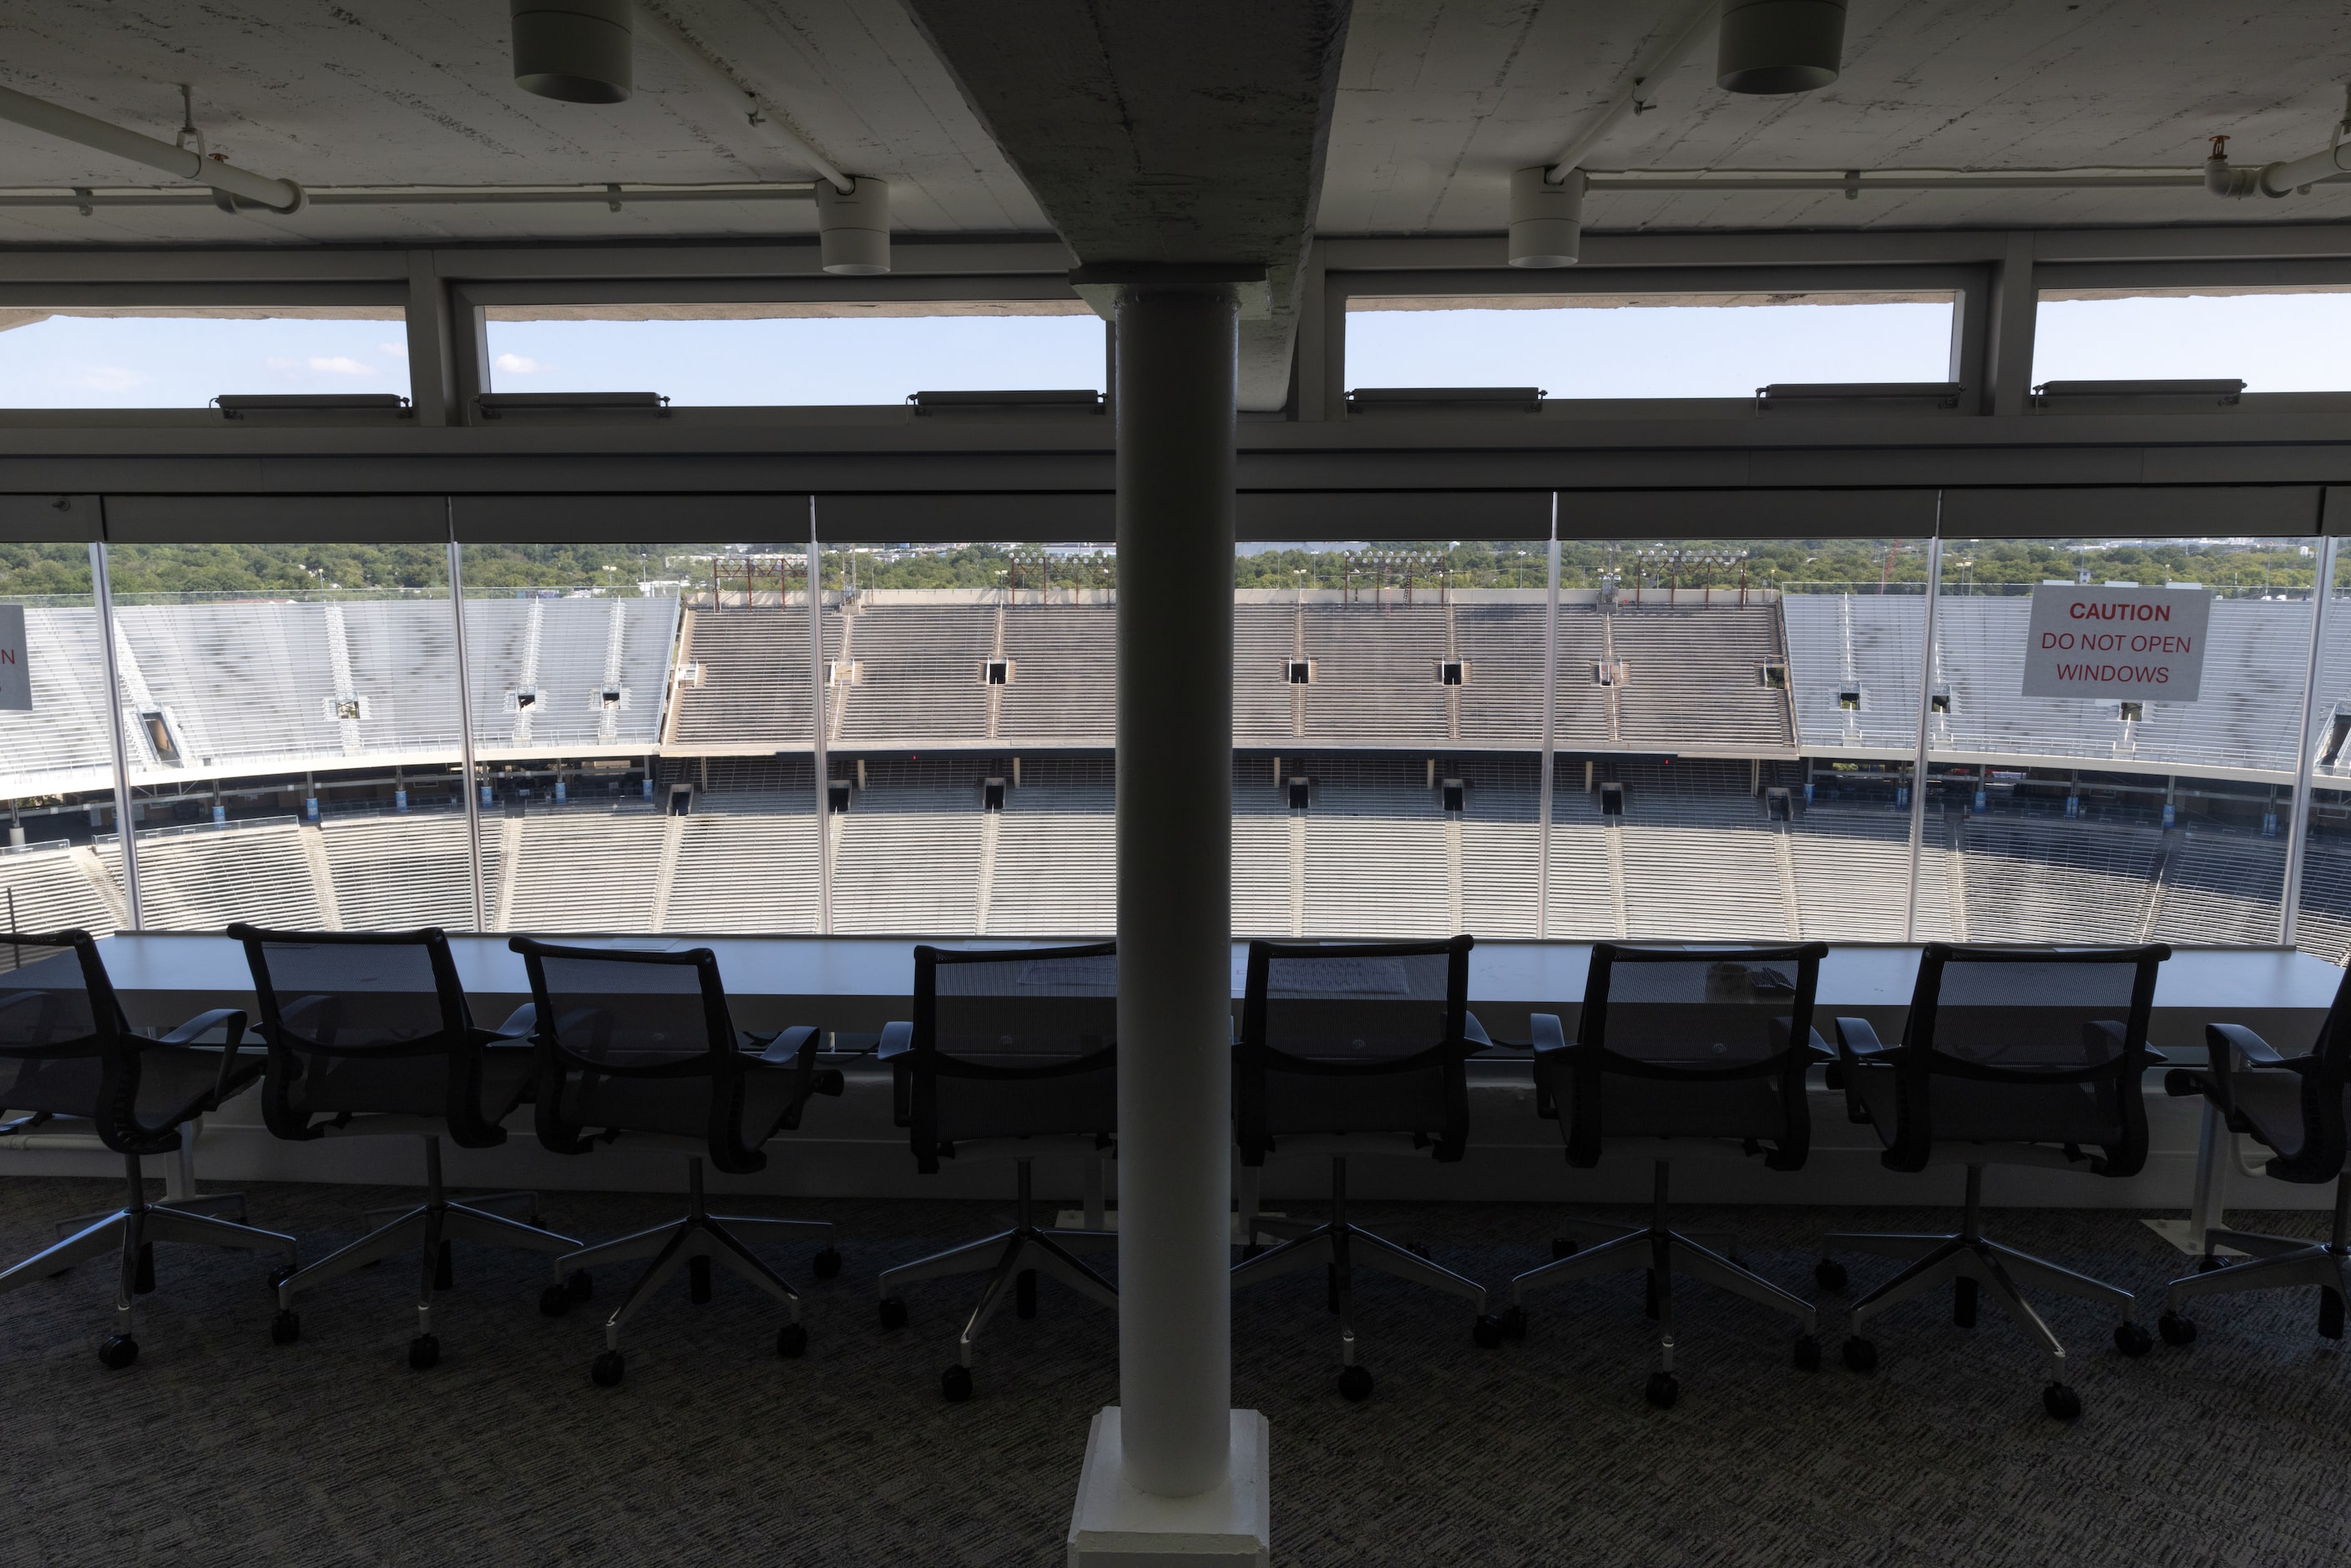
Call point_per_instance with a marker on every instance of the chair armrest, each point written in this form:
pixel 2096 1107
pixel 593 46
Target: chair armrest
pixel 785 1046
pixel 18 998
pixel 2225 1039
pixel 1548 1032
pixel 231 1022
pixel 1856 1037
pixel 2114 1032
pixel 519 1025
pixel 188 1033
pixel 1475 1033
pixel 897 1039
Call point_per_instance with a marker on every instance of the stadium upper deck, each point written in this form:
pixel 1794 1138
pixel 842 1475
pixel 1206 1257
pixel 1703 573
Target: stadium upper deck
pixel 260 687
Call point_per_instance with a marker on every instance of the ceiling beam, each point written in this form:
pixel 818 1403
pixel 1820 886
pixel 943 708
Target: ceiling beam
pixel 1164 134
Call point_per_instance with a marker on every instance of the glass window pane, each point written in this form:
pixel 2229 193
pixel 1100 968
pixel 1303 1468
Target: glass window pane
pixel 740 355
pixel 2102 818
pixel 1387 736
pixel 1647 346
pixel 291 720
pixel 590 822
pixel 63 866
pixel 2272 340
pixel 972 708
pixel 185 356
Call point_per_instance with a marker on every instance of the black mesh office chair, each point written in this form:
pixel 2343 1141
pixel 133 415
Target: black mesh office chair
pixel 2295 1106
pixel 1676 1048
pixel 1012 1054
pixel 1349 1049
pixel 67 1055
pixel 641 1048
pixel 370 1035
pixel 2009 1056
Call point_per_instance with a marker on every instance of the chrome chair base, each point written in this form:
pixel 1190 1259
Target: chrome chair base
pixel 1005 1256
pixel 2273 1263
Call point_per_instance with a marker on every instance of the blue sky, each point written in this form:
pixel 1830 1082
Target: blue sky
pixel 2275 342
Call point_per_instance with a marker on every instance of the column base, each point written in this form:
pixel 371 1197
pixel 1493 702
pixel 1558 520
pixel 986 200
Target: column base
pixel 1116 1526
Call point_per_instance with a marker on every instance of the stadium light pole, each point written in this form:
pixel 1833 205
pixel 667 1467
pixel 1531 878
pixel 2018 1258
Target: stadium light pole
pixel 1179 356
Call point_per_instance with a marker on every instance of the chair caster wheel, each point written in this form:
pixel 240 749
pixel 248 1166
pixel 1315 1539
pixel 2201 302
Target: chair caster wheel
pixel 956 1384
pixel 1252 1249
pixel 286 1327
pixel 893 1312
pixel 1830 1276
pixel 1560 1246
pixel 2176 1330
pixel 791 1342
pixel 1514 1322
pixel 2208 1262
pixel 1488 1332
pixel 554 1301
pixel 826 1265
pixel 273 1278
pixel 1419 1249
pixel 1860 1354
pixel 580 1286
pixel 608 1369
pixel 1664 1389
pixel 2061 1402
pixel 119 1352
pixel 1807 1354
pixel 423 1352
pixel 1355 1385
pixel 2330 1314
pixel 2132 1339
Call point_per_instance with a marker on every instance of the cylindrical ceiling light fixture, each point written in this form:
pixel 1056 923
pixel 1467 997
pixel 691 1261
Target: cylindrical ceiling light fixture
pixel 1546 219
pixel 854 226
pixel 1773 46
pixel 576 51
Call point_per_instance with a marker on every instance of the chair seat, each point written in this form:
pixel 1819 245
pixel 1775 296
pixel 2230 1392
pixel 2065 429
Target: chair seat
pixel 682 1106
pixel 1658 1108
pixel 412 1085
pixel 176 1083
pixel 1967 1111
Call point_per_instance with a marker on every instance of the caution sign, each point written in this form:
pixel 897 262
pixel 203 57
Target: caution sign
pixel 2138 644
pixel 16 668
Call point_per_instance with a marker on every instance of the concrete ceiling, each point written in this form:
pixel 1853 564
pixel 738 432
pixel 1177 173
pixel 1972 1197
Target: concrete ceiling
pixel 1438 101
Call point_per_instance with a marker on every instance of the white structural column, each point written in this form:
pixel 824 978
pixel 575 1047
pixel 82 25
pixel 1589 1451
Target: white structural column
pixel 1173 1473
pixel 1925 709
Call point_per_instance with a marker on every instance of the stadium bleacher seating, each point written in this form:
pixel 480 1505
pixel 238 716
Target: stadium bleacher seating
pixel 1694 735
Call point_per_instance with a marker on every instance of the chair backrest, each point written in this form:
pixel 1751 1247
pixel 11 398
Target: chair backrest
pixel 1012 1042
pixel 2028 1044
pixel 365 1023
pixel 1354 1037
pixel 620 1013
pixel 65 1048
pixel 1708 1042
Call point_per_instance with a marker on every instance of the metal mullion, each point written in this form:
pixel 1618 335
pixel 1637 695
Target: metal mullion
pixel 823 765
pixel 1550 730
pixel 101 592
pixel 473 790
pixel 2298 822
pixel 1925 699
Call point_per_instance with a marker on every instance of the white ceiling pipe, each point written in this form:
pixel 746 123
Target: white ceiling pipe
pixel 426 195
pixel 179 163
pixel 1858 180
pixel 2223 179
pixel 766 117
pixel 1628 96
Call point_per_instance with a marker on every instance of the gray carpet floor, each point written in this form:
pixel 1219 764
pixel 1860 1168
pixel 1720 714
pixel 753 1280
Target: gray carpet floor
pixel 221 1447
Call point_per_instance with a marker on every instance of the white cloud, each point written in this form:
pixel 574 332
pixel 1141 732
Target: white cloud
pixel 516 365
pixel 108 378
pixel 397 350
pixel 340 365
